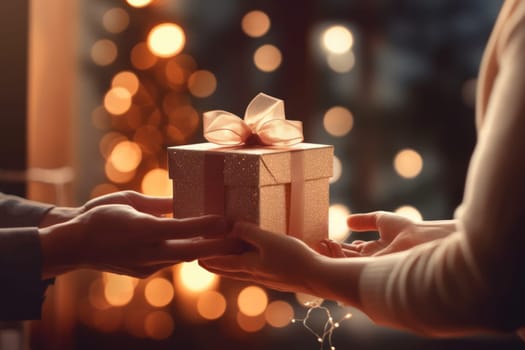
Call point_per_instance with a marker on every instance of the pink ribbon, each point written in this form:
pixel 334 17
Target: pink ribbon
pixel 264 123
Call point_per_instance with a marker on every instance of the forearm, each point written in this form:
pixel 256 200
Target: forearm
pixel 61 250
pixel 433 289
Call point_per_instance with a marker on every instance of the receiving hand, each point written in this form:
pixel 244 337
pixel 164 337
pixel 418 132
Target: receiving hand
pixel 275 260
pixel 396 233
pixel 119 238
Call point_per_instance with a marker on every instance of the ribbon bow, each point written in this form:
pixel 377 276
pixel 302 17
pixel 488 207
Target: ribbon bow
pixel 264 123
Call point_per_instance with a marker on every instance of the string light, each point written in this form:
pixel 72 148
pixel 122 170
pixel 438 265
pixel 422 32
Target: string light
pixel 328 328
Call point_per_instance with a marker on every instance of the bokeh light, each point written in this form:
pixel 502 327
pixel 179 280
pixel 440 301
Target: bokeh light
pixel 211 305
pixel 337 227
pixel 117 100
pixel 196 279
pixel 267 58
pixel 341 63
pixel 139 3
pixel 408 163
pixel 157 183
pixel 279 314
pixel 338 170
pixel 159 325
pixel 126 156
pixel 166 40
pixel 337 39
pixel 116 176
pixel 108 142
pixel 118 289
pixel 250 324
pixel 115 20
pixel 409 212
pixel 127 80
pixel 252 301
pixel 104 52
pixel 141 57
pixel 202 83
pixel 255 23
pixel 96 295
pixel 338 121
pixel 158 292
pixel 185 119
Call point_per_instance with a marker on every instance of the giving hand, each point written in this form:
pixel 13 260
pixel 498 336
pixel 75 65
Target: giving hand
pixel 128 238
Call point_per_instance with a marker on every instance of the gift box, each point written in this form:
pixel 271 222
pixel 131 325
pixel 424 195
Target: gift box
pixel 281 186
pixel 282 190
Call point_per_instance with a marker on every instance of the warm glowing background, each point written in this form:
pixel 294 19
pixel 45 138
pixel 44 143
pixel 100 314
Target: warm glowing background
pixel 113 83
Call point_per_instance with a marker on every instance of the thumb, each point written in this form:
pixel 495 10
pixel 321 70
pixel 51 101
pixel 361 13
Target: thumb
pixel 364 222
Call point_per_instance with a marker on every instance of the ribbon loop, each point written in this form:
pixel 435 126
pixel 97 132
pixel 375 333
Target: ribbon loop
pixel 225 128
pixel 264 118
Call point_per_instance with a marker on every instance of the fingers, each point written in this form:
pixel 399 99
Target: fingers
pixel 364 222
pixel 149 204
pixel 207 226
pixel 232 263
pixel 371 247
pixel 143 203
pixel 188 250
pixel 331 248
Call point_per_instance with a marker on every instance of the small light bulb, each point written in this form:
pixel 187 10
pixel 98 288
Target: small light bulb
pixel 320 340
pixel 336 325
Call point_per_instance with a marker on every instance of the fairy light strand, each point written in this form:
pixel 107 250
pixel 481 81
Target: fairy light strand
pixel 329 327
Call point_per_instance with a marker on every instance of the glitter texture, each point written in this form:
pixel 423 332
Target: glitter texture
pixel 282 190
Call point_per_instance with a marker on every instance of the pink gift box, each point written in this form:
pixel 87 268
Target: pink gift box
pixel 282 189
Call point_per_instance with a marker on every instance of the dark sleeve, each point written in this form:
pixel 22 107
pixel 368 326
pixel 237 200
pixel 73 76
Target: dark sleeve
pixel 22 291
pixel 19 212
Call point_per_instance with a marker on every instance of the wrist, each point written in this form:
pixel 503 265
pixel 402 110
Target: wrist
pixel 337 279
pixel 58 252
pixel 58 215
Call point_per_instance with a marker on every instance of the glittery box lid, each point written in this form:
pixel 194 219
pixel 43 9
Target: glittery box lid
pixel 250 166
